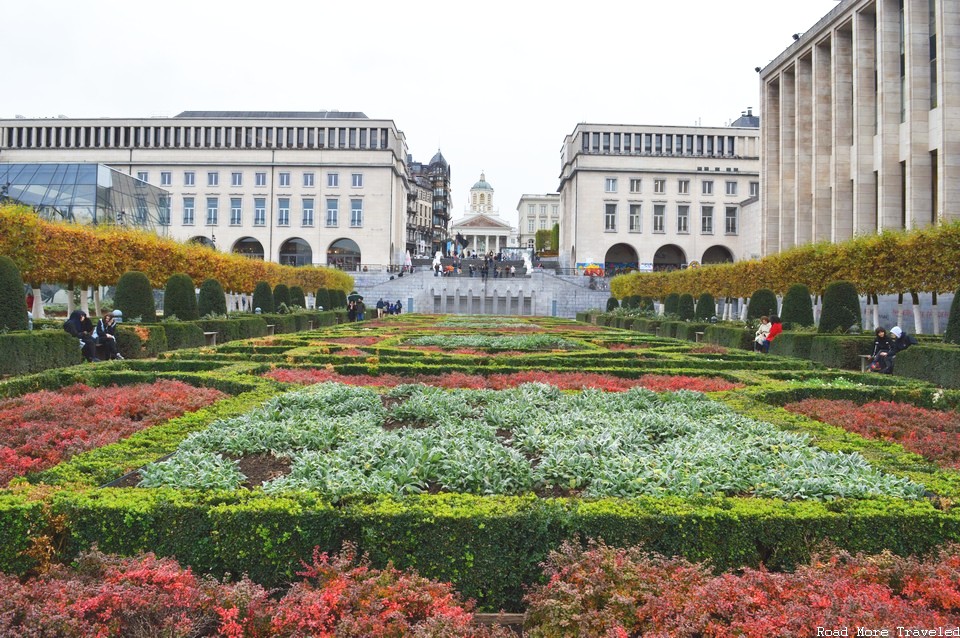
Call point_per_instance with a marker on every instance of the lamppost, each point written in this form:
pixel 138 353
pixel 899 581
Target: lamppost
pixel 213 240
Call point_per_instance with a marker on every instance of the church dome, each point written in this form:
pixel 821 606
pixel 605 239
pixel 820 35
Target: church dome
pixel 482 185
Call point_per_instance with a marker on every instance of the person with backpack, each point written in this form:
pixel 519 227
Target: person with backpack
pixel 900 342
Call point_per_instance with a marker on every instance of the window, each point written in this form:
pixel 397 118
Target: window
pixel 164 204
pixel 333 208
pixel 610 218
pixel 530 223
pixel 307 212
pixel 731 188
pixel 932 5
pixel 356 213
pixel 683 219
pixel 707 187
pixel 543 223
pixel 611 185
pixel 260 179
pixel 284 179
pixel 213 207
pixel 683 186
pixel 213 178
pixel 308 180
pixel 660 186
pixel 357 180
pixel 333 180
pixel 143 176
pixel 236 211
pixel 730 227
pixel 555 210
pixel 283 211
pixel 531 209
pixel 635 184
pixel 189 178
pixel 188 211
pixel 754 189
pixel 165 178
pixel 706 220
pixel 236 179
pixel 635 220
pixel 658 213
pixel 259 211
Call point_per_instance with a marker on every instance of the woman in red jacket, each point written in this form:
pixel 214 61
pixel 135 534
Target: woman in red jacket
pixel 776 327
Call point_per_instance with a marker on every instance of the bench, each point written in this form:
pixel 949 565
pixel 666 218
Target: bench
pixel 270 329
pixel 698 337
pixel 865 362
pixel 210 338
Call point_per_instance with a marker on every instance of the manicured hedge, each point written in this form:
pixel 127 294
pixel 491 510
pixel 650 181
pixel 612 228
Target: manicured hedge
pixel 243 327
pixel 488 547
pixel 839 351
pixel 688 330
pixel 939 364
pixel 729 336
pixel 793 344
pixel 182 334
pixel 141 341
pixel 24 352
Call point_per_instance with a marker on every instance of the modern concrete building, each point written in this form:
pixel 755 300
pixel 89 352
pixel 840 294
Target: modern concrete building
pixel 657 197
pixel 536 212
pixel 861 124
pixel 481 224
pixel 297 188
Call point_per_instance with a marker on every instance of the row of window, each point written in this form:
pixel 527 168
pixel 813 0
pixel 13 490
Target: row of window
pixel 635 219
pixel 543 223
pixel 306 211
pixel 259 179
pixel 532 209
pixel 194 137
pixel 683 186
pixel 661 143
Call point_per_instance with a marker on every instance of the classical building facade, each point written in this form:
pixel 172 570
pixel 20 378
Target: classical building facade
pixel 297 188
pixel 481 224
pixel 536 212
pixel 657 197
pixel 861 124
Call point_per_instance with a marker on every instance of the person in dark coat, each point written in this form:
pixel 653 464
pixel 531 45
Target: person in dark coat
pixel 900 342
pixel 107 335
pixel 80 326
pixel 881 350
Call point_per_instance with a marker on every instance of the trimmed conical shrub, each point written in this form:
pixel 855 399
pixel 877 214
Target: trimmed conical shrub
pixel 841 307
pixel 630 302
pixel 297 298
pixel 612 304
pixel 763 302
pixel 263 297
pixel 671 305
pixel 647 305
pixel 323 299
pixel 134 297
pixel 952 333
pixel 180 298
pixel 338 298
pixel 13 303
pixel 281 295
pixel 685 307
pixel 797 307
pixel 706 306
pixel 212 300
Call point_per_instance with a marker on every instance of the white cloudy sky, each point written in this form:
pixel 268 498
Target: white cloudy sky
pixel 495 85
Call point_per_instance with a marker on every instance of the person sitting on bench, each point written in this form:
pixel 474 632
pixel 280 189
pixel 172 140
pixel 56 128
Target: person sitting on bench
pixel 79 326
pixel 107 335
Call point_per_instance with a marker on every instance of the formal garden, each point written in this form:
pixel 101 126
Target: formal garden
pixel 635 472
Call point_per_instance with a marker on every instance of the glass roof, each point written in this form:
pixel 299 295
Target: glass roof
pixel 86 194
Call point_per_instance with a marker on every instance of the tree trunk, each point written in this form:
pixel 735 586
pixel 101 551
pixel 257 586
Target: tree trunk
pixel 900 309
pixel 37 309
pixel 876 312
pixel 743 309
pixel 936 316
pixel 917 325
pixel 70 304
pixel 85 300
pixel 96 300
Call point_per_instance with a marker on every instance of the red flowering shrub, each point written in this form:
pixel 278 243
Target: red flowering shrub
pixel 148 596
pixel 562 380
pixel 41 429
pixel 343 597
pixel 353 341
pixel 933 434
pixel 709 348
pixel 604 591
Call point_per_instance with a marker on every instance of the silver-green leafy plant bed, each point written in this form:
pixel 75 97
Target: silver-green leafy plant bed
pixel 351 440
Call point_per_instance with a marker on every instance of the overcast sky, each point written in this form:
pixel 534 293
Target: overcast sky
pixel 495 85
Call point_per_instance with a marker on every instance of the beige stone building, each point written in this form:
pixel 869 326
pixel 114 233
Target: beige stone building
pixel 536 212
pixel 657 197
pixel 298 188
pixel 861 124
